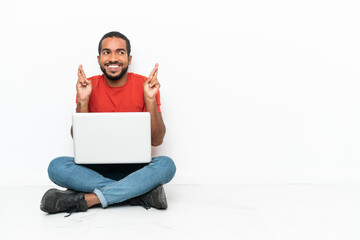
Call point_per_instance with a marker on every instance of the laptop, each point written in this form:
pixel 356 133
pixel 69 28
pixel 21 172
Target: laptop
pixel 110 138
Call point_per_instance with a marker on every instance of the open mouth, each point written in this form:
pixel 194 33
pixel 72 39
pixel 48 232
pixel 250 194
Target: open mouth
pixel 113 67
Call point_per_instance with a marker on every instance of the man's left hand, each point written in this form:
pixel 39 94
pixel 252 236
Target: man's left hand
pixel 152 85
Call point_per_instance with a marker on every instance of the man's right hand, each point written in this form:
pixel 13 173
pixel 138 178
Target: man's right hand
pixel 83 86
pixel 83 89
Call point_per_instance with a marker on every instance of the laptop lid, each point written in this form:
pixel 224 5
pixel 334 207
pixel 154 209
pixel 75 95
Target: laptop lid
pixel 101 138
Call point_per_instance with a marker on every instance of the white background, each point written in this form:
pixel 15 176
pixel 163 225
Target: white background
pixel 252 91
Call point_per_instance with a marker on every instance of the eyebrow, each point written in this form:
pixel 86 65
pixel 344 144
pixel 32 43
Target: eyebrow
pixel 119 49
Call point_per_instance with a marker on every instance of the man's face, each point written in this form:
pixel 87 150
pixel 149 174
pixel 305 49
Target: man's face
pixel 114 60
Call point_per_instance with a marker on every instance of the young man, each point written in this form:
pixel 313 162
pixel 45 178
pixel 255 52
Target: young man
pixel 114 91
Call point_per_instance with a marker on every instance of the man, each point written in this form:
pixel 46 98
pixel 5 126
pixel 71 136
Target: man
pixel 114 91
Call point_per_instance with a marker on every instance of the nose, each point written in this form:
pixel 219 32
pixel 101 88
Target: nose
pixel 113 57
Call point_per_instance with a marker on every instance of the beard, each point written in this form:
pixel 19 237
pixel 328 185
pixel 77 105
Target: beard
pixel 114 78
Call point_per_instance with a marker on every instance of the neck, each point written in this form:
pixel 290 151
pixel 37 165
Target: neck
pixel 118 83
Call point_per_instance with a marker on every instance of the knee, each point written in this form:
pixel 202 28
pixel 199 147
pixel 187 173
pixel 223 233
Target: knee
pixel 57 166
pixel 168 166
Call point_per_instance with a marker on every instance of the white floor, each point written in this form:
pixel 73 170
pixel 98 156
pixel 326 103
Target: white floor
pixel 280 212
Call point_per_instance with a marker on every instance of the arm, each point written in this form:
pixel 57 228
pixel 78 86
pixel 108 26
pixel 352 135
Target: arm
pixel 151 88
pixel 83 89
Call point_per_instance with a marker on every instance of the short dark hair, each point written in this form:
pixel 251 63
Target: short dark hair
pixel 117 35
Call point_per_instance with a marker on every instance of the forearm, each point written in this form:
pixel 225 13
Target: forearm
pixel 81 107
pixel 157 124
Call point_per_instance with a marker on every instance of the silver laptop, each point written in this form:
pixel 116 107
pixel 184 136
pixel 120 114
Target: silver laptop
pixel 101 138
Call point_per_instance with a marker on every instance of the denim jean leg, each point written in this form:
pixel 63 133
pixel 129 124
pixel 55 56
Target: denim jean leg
pixel 159 171
pixel 64 172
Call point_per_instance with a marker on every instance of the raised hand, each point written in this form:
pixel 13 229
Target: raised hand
pixel 83 86
pixel 152 85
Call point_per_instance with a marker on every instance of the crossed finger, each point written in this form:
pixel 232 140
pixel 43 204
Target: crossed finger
pixel 82 72
pixel 153 76
pixel 154 72
pixel 81 76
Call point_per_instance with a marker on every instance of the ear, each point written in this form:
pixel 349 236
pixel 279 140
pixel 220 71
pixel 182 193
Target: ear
pixel 130 58
pixel 98 57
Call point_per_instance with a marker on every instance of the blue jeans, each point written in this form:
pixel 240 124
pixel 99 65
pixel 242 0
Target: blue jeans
pixel 112 183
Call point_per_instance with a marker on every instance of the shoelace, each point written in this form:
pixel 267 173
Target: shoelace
pixel 144 204
pixel 72 210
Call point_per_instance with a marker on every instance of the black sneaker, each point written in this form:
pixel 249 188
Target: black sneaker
pixel 155 198
pixel 55 201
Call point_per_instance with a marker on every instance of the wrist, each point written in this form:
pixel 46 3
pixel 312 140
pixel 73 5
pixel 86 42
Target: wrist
pixel 82 106
pixel 150 104
pixel 83 101
pixel 150 100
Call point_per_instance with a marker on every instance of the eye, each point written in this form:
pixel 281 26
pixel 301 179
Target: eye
pixel 121 52
pixel 105 52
